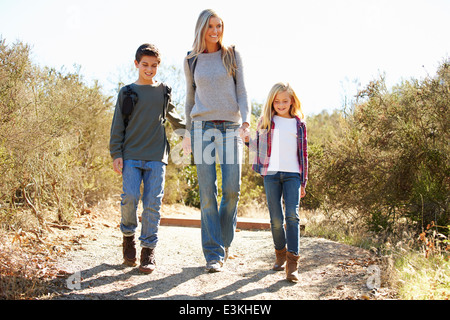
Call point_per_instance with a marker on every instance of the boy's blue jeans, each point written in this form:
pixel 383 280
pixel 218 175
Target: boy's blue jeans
pixel 210 139
pixel 278 186
pixel 152 174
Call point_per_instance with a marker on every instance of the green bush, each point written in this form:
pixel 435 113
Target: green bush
pixel 392 161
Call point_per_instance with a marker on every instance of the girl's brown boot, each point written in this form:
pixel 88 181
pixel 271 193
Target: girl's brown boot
pixel 280 260
pixel 292 267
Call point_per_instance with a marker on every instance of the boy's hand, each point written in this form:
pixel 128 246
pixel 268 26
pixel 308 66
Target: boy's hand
pixel 118 165
pixel 186 144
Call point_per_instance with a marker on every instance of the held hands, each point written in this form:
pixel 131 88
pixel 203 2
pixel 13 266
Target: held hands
pixel 244 132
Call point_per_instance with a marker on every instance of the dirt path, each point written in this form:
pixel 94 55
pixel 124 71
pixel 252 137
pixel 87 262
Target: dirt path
pixel 328 270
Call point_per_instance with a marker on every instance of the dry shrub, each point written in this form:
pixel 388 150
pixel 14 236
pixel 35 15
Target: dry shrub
pixel 26 266
pixel 392 160
pixel 54 132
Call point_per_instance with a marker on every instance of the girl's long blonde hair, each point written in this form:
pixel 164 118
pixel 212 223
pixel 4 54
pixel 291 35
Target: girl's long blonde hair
pixel 199 45
pixel 269 111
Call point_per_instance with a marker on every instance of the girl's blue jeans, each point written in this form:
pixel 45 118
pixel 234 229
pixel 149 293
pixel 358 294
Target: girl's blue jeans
pixel 284 186
pixel 218 223
pixel 152 174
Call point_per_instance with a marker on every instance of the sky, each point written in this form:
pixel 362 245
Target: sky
pixel 326 49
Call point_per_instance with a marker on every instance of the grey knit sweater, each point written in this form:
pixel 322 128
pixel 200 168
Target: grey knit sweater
pixel 216 96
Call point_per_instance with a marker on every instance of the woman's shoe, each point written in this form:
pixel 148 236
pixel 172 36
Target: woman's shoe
pixel 213 266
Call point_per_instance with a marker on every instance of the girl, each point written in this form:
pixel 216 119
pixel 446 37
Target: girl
pixel 216 108
pixel 282 159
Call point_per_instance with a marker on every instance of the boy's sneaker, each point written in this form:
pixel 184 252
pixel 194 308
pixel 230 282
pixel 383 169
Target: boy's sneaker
pixel 129 251
pixel 213 266
pixel 148 263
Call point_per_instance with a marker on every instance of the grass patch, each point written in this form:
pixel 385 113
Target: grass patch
pixel 416 267
pixel 421 278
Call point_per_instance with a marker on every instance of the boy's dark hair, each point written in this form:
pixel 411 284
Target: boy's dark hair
pixel 147 50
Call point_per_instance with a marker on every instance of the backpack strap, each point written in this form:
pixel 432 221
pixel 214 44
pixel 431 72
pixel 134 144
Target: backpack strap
pixel 132 98
pixel 192 62
pixel 167 98
pixel 234 52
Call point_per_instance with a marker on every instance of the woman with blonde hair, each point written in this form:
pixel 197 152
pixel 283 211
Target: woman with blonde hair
pixel 217 110
pixel 282 160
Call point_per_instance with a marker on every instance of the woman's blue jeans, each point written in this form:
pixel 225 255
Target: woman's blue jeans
pixel 152 174
pixel 211 140
pixel 284 186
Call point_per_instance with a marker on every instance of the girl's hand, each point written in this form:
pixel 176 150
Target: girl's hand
pixel 302 192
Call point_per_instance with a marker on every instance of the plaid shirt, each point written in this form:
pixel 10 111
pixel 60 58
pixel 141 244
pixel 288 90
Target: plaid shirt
pixel 262 145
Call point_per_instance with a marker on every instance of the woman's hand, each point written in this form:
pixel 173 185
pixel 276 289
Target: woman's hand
pixel 244 132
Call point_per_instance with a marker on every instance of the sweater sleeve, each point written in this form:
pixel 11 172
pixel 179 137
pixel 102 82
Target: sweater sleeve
pixel 190 95
pixel 241 91
pixel 174 118
pixel 117 131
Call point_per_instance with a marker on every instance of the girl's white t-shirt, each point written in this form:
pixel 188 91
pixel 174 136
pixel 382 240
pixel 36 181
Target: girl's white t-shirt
pixel 284 155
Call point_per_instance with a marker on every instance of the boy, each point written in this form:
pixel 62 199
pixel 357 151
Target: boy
pixel 140 151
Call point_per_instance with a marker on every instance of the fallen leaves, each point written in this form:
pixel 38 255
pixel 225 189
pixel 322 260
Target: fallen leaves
pixel 25 265
pixel 363 262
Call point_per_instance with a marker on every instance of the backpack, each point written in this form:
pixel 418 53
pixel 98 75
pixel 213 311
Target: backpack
pixel 131 98
pixel 192 63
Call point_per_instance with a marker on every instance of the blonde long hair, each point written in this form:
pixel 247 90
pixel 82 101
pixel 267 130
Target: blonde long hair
pixel 199 45
pixel 269 111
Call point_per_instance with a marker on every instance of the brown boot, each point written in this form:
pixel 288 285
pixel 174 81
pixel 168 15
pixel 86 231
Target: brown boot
pixel 148 263
pixel 292 267
pixel 281 260
pixel 129 251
